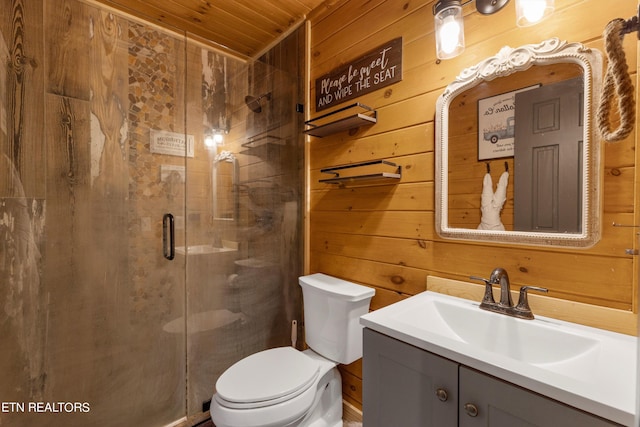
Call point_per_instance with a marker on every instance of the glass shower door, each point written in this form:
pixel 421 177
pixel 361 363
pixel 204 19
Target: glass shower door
pixel 244 203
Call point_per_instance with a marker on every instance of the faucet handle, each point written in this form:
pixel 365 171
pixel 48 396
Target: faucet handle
pixel 488 290
pixel 523 300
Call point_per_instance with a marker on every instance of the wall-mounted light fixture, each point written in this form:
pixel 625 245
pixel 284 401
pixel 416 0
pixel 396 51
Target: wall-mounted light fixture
pixel 449 26
pixel 214 137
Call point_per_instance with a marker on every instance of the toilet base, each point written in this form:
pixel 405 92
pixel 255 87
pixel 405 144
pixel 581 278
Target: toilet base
pixel 327 410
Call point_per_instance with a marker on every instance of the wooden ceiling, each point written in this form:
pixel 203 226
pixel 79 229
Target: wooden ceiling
pixel 242 27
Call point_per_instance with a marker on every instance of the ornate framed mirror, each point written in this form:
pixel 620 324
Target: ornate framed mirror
pixel 517 152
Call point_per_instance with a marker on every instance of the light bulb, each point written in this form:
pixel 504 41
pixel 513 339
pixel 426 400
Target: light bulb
pixel 533 10
pixel 214 138
pixel 529 12
pixel 449 34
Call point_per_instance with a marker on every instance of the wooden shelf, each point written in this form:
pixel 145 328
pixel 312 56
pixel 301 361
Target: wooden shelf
pixel 381 177
pixel 368 117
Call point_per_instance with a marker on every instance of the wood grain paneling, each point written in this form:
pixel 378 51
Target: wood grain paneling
pixel 22 41
pixel 384 237
pixel 67 52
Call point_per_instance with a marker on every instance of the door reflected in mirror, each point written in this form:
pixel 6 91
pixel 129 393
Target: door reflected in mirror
pixel 516 156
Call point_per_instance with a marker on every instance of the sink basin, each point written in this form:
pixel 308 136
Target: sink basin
pixel 535 342
pixel 201 250
pixel 588 368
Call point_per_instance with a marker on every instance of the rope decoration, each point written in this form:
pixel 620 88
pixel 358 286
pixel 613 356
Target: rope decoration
pixel 616 82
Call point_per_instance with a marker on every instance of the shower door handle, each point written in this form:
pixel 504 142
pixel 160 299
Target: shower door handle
pixel 168 237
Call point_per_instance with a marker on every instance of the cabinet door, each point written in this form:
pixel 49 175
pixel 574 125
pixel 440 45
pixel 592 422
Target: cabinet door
pixel 406 386
pixel 499 404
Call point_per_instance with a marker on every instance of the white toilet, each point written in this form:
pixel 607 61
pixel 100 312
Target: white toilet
pixel 285 387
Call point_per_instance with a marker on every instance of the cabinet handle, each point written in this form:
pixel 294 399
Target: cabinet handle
pixel 471 409
pixel 442 394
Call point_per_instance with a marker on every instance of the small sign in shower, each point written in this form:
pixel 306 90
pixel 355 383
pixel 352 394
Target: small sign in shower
pixel 171 143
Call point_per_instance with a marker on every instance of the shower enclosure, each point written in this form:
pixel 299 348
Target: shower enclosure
pixel 150 220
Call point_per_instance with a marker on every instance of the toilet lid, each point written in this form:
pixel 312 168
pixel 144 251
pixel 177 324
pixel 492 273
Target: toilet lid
pixel 267 375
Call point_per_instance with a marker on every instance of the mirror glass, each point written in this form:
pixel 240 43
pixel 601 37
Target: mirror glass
pixel 224 183
pixel 517 160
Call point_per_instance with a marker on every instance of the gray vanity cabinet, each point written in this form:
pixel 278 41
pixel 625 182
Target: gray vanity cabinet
pixel 406 386
pixel 410 387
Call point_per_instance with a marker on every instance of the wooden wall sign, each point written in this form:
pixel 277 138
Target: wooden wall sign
pixel 376 69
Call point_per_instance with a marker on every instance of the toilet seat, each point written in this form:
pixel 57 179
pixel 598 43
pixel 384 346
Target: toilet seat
pixel 266 378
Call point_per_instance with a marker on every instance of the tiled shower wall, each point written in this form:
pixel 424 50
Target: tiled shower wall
pixel 97 327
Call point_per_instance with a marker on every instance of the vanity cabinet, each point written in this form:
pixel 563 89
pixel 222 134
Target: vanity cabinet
pixel 410 387
pixel 488 401
pixel 406 386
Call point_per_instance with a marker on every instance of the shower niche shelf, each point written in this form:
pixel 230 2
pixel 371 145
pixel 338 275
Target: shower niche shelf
pixel 371 173
pixel 330 123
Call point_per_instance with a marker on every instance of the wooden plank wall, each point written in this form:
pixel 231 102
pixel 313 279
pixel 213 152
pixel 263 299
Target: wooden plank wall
pixel 384 236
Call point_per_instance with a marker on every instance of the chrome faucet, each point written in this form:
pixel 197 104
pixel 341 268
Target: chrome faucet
pixel 500 277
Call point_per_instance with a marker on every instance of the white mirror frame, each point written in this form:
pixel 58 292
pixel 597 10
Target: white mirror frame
pixel 506 62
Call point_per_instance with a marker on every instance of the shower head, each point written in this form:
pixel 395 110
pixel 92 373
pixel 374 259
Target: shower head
pixel 254 102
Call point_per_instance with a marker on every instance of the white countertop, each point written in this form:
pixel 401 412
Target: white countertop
pixel 602 381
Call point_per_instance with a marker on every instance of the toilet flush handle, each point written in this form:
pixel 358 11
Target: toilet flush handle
pixel 294 333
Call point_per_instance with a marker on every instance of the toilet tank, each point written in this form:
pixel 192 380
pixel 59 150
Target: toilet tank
pixel 332 310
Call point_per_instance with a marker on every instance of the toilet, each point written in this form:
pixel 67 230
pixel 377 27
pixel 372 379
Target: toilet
pixel 285 387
